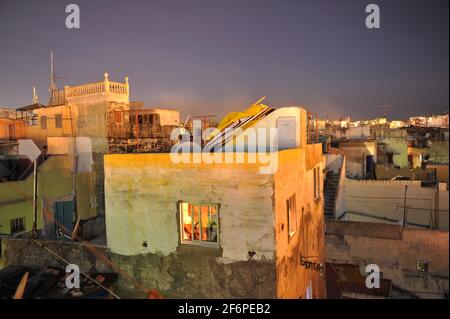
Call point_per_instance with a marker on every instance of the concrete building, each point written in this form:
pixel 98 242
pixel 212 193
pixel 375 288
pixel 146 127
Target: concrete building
pixel 384 201
pixel 187 230
pixel 415 260
pixel 80 111
pixel 11 129
pixel 361 156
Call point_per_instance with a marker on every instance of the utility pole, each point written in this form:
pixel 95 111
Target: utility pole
pixel 35 190
pixel 436 207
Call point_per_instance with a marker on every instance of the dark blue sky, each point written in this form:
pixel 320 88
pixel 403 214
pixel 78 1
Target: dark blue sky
pixel 215 56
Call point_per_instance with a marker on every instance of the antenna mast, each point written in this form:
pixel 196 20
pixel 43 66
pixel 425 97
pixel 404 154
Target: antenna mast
pixel 53 77
pixel 53 86
pixel 35 97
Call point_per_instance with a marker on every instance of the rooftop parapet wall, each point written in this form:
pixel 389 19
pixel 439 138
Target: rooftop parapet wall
pixel 104 90
pixel 384 201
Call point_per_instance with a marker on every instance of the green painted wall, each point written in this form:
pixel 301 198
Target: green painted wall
pixel 399 147
pixel 54 181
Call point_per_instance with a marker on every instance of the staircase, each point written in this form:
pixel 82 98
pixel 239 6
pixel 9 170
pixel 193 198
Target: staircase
pixel 330 192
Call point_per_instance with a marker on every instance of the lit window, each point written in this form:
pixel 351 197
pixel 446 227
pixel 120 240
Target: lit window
pixel 422 266
pixel 291 215
pixel 199 223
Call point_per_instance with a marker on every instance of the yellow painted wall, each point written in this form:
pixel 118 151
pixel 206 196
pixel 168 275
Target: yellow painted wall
pixel 19 129
pixel 295 176
pixel 39 134
pixel 142 191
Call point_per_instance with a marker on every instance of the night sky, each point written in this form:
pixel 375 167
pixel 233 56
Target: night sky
pixel 216 56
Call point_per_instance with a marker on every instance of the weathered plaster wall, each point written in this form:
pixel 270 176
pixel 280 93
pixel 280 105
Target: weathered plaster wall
pixel 54 180
pixel 441 172
pixel 399 148
pixel 39 133
pixel 355 153
pixel 17 132
pixel 395 251
pixel 383 201
pixel 333 162
pixel 358 132
pixel 196 274
pixel 418 173
pixel 438 151
pixel 167 116
pixel 295 176
pixel 142 192
pixel 26 252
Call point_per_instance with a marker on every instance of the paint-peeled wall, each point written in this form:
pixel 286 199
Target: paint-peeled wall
pixel 142 194
pixel 295 178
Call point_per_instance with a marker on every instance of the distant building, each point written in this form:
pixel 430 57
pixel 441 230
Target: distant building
pixel 431 121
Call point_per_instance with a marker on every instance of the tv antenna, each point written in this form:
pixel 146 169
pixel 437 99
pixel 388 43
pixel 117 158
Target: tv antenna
pixel 35 97
pixel 53 77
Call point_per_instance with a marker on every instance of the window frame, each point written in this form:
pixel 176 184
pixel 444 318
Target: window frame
pixel 199 242
pixel 118 117
pixel 317 184
pixel 21 221
pixel 291 206
pixel 58 118
pixel 43 121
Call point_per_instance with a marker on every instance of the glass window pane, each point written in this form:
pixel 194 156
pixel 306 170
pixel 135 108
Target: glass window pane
pixel 209 223
pixel 196 222
pixel 186 210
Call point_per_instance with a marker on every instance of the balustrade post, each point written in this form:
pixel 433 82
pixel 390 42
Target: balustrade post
pixel 106 81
